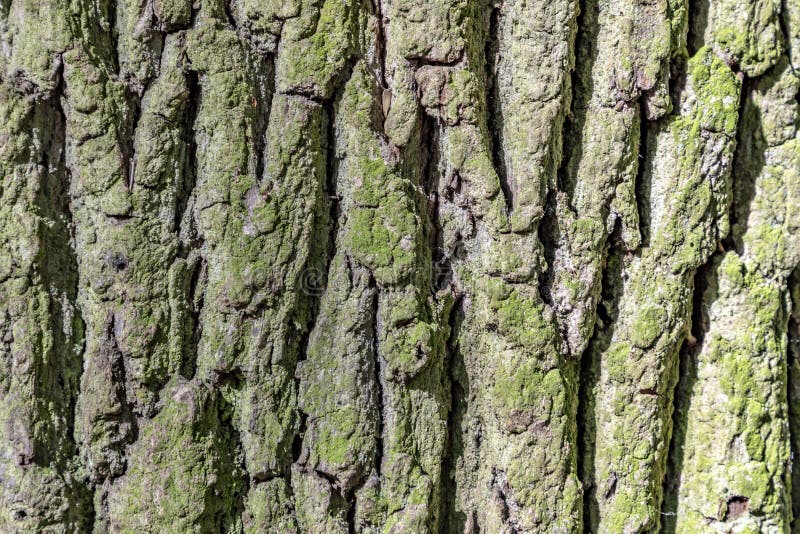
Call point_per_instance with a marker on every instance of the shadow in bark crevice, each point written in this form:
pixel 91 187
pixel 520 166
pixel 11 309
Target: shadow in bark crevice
pixel 607 314
pixel 57 368
pixel 705 292
pixel 453 520
pixel 749 157
pixel 494 113
pixel 793 393
pixel 58 267
pixel 582 86
pixel 644 173
pixel 698 22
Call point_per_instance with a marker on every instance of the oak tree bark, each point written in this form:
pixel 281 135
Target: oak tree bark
pixel 399 266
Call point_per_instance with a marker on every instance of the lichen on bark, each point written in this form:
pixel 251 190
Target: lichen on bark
pixel 399 266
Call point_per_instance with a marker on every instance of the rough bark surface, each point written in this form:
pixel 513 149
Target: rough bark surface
pixel 400 266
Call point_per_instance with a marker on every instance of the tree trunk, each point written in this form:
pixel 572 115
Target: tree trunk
pixel 400 266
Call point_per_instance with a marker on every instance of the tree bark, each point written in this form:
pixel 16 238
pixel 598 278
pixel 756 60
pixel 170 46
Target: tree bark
pixel 400 266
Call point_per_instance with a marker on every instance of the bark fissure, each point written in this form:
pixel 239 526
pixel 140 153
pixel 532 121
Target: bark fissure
pixel 449 520
pixel 380 374
pixel 793 391
pixel 380 42
pixel 185 189
pixel 642 185
pixel 494 110
pixel 687 376
pixel 350 266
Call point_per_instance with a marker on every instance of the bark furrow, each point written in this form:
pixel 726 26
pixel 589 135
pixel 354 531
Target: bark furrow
pixel 395 266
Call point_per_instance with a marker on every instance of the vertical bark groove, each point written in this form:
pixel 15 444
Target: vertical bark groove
pixel 389 266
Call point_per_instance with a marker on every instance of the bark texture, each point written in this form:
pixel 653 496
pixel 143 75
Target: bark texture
pixel 341 266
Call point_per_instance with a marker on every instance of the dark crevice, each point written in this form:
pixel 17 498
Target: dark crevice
pixel 303 94
pixel 549 236
pixel 748 160
pixel 441 271
pixel 63 274
pixel 315 279
pixel 317 272
pixel 644 175
pixel 350 516
pixel 698 22
pixel 797 95
pixel 189 240
pixel 223 383
pixel 185 187
pixel 297 442
pixel 559 194
pixel 380 371
pixel 234 453
pixel 785 25
pixel 260 478
pixel 126 135
pixel 184 227
pixel 228 379
pixel 264 84
pixel 380 38
pixel 735 507
pixel 499 494
pixel 58 182
pixel 452 520
pixel 56 367
pixel 194 10
pixel 785 22
pixel 72 372
pixel 122 425
pixel 418 61
pixel 195 300
pixel 606 314
pixel 588 378
pixel 429 158
pixel 793 392
pixel 331 180
pixel 310 94
pixel 230 19
pixel 494 108
pixel 113 35
pixel 330 479
pixel 704 292
pixel 504 501
pixel 582 87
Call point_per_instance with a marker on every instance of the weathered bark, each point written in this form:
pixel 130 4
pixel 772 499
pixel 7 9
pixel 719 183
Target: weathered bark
pixel 352 266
